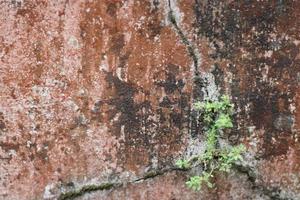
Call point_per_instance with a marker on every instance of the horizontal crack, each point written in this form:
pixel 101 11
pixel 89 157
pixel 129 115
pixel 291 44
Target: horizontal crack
pixel 108 186
pixel 273 193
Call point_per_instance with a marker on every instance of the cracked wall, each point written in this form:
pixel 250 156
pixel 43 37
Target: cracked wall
pixel 100 91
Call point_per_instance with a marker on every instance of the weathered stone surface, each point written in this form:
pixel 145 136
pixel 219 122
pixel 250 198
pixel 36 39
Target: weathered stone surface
pixel 98 91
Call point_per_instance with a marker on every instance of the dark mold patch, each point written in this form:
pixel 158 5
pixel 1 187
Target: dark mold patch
pixel 176 119
pixel 2 123
pixel 130 119
pixel 165 102
pixel 171 84
pixel 7 146
pixel 284 123
pixel 243 33
pixel 154 26
pixel 136 120
pixel 238 24
pixel 123 59
pixel 112 9
pixel 283 62
pixel 124 102
pixel 117 43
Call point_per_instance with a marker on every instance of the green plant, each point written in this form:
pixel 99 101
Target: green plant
pixel 216 117
pixel 182 164
pixel 195 182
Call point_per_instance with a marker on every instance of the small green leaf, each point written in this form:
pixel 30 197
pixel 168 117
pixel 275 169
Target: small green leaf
pixel 214 116
pixel 194 183
pixel 182 164
pixel 224 121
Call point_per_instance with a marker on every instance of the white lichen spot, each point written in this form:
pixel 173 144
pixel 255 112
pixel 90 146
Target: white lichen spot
pixel 72 105
pixel 12 152
pixel 104 66
pixel 73 42
pixel 265 73
pixel 121 73
pixel 154 162
pixel 251 129
pixel 156 38
pixel 268 54
pixel 48 192
pixel 116 117
pixel 195 147
pixel 211 92
pixel 176 12
pixel 296 42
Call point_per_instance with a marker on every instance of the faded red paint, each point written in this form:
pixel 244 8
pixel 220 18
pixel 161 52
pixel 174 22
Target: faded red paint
pixel 92 91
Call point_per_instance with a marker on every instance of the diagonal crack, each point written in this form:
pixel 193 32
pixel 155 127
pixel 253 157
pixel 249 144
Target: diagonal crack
pixel 86 189
pixel 200 83
pixel 273 193
pixel 191 49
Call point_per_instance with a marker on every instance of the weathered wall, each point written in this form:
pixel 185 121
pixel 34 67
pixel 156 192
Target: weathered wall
pixel 100 91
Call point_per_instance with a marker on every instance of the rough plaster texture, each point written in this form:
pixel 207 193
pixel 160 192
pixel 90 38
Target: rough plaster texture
pixel 100 91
